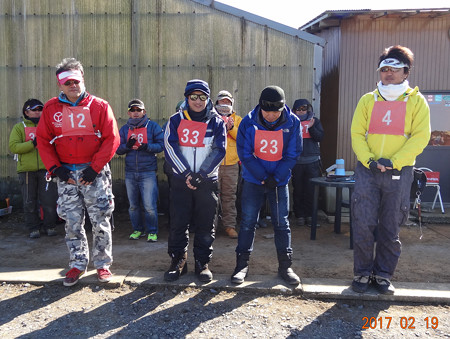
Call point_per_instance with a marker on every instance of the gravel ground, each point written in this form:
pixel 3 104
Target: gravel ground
pixel 92 311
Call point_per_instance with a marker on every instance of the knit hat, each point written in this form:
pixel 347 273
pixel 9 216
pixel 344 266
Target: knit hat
pixel 136 103
pixel 197 85
pixel 272 99
pixel 225 95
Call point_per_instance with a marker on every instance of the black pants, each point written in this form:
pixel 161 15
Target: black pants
pixel 303 189
pixel 34 195
pixel 192 208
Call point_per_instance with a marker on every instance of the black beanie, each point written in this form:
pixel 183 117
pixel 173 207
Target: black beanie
pixel 31 104
pixel 272 99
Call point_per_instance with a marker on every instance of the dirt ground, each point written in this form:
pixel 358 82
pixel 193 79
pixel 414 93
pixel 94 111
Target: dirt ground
pixel 329 256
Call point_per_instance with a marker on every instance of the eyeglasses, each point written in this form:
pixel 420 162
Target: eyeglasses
pixel 271 106
pixel 390 69
pixel 202 97
pixel 39 108
pixel 135 110
pixel 71 82
pixel 302 108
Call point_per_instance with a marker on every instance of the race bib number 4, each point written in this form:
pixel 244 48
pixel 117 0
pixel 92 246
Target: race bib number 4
pixel 140 135
pixel 388 117
pixel 76 121
pixel 191 133
pixel 269 145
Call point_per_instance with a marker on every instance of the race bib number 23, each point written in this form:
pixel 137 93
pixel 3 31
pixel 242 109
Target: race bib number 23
pixel 269 145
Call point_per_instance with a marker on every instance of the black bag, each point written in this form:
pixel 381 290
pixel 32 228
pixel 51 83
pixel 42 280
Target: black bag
pixel 419 183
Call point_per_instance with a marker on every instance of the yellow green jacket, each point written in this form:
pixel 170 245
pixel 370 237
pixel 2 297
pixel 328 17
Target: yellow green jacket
pixel 231 156
pixel 402 150
pixel 28 156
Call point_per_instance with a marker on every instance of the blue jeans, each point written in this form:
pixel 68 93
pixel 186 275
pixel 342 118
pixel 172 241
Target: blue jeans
pixel 252 200
pixel 143 187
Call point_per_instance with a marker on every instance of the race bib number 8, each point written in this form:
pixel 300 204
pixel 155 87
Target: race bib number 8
pixel 191 133
pixel 388 117
pixel 269 145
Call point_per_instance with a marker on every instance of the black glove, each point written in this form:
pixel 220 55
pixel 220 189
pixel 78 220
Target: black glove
pixel 196 179
pixel 62 173
pixel 143 147
pixel 385 162
pixel 34 142
pixel 373 166
pixel 130 142
pixel 270 182
pixel 89 174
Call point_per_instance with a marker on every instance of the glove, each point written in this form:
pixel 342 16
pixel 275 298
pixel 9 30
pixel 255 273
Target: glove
pixel 143 147
pixel 34 142
pixel 89 174
pixel 373 166
pixel 270 182
pixel 196 179
pixel 62 173
pixel 385 162
pixel 130 142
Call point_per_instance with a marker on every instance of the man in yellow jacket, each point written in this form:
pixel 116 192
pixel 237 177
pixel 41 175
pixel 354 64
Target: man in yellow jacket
pixel 390 128
pixel 229 169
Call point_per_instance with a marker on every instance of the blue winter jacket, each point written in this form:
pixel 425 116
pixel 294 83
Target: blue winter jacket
pixel 204 160
pixel 256 170
pixel 144 160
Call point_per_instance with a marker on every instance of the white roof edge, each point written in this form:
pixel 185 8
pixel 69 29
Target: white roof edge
pixel 262 21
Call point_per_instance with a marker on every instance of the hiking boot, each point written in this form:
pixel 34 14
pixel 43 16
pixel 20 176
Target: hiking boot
pixel 35 234
pixel 136 235
pixel 284 269
pixel 241 270
pixel 202 271
pixel 104 274
pixel 72 277
pixel 51 232
pixel 301 221
pixel 152 237
pixel 231 232
pixel 360 283
pixel 177 268
pixel 383 285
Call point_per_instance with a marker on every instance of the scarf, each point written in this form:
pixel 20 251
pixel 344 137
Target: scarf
pixel 391 92
pixel 137 122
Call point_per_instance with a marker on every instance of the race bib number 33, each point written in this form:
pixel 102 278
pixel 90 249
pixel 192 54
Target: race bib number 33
pixel 191 133
pixel 269 145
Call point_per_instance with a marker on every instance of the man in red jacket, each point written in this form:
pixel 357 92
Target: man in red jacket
pixel 77 137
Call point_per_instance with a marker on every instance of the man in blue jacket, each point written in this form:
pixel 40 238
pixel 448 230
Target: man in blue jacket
pixel 140 140
pixel 194 146
pixel 269 142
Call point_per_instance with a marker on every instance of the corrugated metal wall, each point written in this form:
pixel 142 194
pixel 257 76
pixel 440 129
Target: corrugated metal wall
pixel 362 41
pixel 145 49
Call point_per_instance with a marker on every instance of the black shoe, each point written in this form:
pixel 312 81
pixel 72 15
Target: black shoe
pixel 202 271
pixel 177 268
pixel 360 283
pixel 383 285
pixel 288 275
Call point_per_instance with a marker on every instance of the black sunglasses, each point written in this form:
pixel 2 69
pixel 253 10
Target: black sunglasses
pixel 135 110
pixel 71 82
pixel 38 108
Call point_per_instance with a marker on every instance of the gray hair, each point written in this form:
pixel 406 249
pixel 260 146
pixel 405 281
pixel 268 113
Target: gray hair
pixel 68 64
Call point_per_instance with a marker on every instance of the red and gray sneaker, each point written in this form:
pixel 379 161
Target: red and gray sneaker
pixel 72 277
pixel 104 274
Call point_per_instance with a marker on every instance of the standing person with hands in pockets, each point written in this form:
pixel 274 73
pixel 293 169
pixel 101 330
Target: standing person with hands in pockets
pixel 269 142
pixel 390 128
pixel 194 146
pixel 141 139
pixel 77 137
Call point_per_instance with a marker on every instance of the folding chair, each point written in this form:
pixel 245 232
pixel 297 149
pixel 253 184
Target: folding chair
pixel 433 181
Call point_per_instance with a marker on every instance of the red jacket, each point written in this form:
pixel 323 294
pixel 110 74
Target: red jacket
pixel 78 149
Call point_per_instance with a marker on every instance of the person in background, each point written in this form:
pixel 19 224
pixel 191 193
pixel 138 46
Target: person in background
pixel 229 169
pixel 77 137
pixel 141 139
pixel 194 145
pixel 269 142
pixel 37 187
pixel 308 163
pixel 390 128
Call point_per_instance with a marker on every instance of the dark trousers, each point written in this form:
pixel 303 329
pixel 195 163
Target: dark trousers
pixel 379 204
pixel 34 195
pixel 303 189
pixel 192 208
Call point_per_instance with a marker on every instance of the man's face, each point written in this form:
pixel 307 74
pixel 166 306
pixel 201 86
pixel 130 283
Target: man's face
pixel 270 116
pixel 198 104
pixel 392 76
pixel 136 113
pixel 72 89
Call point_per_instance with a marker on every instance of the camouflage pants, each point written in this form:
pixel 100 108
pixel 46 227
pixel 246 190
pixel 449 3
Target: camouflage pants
pixel 98 200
